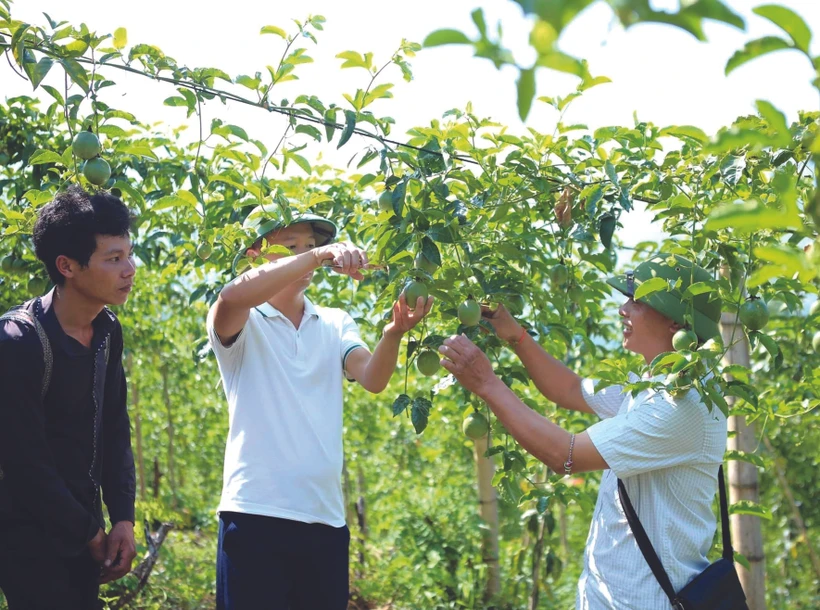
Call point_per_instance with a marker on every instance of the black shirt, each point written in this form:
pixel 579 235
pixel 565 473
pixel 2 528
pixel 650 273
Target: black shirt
pixel 56 452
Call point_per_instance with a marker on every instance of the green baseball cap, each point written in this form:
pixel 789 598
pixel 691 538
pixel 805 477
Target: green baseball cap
pixel 266 218
pixel 704 308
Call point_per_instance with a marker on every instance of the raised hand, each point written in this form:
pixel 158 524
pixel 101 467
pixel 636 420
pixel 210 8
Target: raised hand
pixel 468 364
pixel 347 258
pixel 503 322
pixel 404 318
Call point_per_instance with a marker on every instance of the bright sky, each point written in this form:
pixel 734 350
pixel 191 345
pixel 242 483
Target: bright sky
pixel 662 73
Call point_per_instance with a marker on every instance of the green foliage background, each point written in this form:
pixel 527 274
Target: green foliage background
pixel 482 202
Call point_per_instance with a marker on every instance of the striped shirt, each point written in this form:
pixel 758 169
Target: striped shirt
pixel 667 450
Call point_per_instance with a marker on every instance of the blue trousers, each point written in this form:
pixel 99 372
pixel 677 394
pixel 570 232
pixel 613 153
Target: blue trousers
pixel 266 563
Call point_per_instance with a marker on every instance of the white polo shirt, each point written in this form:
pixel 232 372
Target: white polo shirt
pixel 284 454
pixel 667 450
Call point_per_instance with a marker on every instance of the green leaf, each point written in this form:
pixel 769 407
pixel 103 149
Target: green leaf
pixel 330 123
pixel 771 347
pixel 55 94
pixel 663 360
pixel 272 29
pixel 177 200
pixel 120 38
pixel 400 404
pixel 732 168
pixel 350 125
pixel 650 286
pixel 37 72
pixel 741 559
pixel 526 92
pixel 751 458
pixel 446 36
pixel 247 81
pixel 478 18
pixel 747 507
pixel 777 123
pixel 713 391
pixel 699 288
pixel 749 216
pixel 356 60
pixel 420 413
pixel 742 390
pixel 138 150
pixel 754 49
pixel 430 251
pixel 310 130
pixel 44 156
pixel 301 162
pixel 683 132
pixel 133 193
pixel 611 172
pixel 561 62
pixel 788 21
pixel 606 230
pixel 76 73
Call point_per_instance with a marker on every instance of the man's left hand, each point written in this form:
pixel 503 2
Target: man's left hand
pixel 120 552
pixel 468 364
pixel 404 318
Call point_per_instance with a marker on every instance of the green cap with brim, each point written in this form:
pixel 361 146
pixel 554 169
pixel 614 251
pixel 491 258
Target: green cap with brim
pixel 264 219
pixel 704 309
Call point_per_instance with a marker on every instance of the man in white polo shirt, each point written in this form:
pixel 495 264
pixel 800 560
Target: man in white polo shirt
pixel 283 542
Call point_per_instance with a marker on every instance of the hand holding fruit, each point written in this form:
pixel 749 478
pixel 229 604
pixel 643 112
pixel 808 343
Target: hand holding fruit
pixel 504 324
pixel 346 258
pixel 405 318
pixel 468 364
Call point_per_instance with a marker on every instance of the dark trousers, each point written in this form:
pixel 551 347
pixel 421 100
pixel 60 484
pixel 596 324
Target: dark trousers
pixel 265 563
pixel 49 582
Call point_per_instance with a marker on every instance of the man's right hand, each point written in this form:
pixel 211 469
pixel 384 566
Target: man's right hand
pixel 97 546
pixel 346 258
pixel 502 321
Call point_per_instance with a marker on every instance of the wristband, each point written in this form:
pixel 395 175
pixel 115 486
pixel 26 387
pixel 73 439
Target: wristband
pixel 515 344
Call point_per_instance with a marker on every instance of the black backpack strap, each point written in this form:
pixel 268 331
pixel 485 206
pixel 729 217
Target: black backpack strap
pixel 22 315
pixel 648 550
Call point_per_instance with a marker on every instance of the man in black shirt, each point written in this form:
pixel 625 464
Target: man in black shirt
pixel 64 428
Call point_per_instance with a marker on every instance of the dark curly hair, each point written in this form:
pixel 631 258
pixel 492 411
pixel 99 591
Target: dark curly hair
pixel 69 226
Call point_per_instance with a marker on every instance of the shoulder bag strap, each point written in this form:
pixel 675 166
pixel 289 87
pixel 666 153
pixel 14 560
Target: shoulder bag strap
pixel 646 546
pixel 648 550
pixel 728 551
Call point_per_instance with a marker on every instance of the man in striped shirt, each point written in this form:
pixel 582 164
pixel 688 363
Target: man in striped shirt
pixel 667 448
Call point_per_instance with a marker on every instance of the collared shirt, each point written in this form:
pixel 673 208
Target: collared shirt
pixel 284 384
pixel 56 453
pixel 667 450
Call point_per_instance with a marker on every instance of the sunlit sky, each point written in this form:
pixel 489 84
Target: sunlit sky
pixel 660 73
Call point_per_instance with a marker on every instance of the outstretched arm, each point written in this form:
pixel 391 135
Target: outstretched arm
pixel 552 378
pixel 545 440
pixel 373 371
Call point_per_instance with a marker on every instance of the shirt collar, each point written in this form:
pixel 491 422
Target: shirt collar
pixel 269 311
pixel 44 309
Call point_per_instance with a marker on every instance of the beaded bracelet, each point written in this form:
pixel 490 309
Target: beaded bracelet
pixel 568 463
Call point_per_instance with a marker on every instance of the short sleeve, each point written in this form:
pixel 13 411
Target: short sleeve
pixel 351 339
pixel 607 402
pixel 231 355
pixel 658 433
